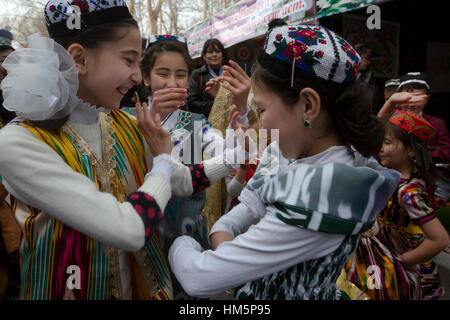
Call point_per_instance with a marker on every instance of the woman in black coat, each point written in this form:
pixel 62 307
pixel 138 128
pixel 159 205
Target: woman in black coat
pixel 201 98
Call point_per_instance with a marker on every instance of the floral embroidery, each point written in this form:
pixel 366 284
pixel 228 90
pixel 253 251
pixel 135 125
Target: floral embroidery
pixel 307 34
pixel 351 53
pixel 318 54
pixel 413 124
pixel 316 50
pixel 83 5
pixel 295 50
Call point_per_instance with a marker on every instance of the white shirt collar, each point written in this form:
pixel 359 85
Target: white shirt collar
pixel 334 154
pixel 84 113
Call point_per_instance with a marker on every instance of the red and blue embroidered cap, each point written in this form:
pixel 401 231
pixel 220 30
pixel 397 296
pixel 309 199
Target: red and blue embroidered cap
pixel 311 52
pixel 61 15
pixel 413 124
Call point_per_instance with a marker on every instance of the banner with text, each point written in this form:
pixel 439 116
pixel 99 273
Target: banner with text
pixel 246 20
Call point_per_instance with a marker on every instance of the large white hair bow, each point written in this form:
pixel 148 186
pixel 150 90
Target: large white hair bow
pixel 42 80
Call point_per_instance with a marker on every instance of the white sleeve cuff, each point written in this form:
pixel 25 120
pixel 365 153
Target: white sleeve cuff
pixel 163 165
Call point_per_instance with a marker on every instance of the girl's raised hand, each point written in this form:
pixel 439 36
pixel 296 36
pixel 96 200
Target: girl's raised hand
pixel 400 99
pixel 240 130
pixel 212 87
pixel 157 138
pixel 167 100
pixel 238 83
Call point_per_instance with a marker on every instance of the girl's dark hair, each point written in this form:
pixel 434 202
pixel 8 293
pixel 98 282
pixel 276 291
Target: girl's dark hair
pixel 152 53
pixel 350 112
pixel 423 162
pixel 215 44
pixel 90 38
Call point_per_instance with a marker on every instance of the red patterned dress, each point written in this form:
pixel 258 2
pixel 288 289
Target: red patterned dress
pixel 376 268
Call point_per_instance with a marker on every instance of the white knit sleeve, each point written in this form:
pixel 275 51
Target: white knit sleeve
pixel 39 177
pixel 236 221
pixel 267 247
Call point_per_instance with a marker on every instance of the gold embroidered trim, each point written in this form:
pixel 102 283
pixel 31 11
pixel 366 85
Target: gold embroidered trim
pixel 147 272
pixel 108 180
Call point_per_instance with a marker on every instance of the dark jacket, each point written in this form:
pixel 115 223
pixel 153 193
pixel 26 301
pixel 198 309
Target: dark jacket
pixel 440 141
pixel 198 100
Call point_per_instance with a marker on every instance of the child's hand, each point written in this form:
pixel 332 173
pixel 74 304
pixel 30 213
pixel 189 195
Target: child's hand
pixel 213 86
pixel 240 129
pixel 167 100
pixel 238 83
pixel 157 138
pixel 408 98
pixel 407 101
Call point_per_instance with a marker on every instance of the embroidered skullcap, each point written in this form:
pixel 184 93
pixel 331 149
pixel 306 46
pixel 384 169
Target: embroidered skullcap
pixel 414 77
pixel 392 83
pixel 6 38
pixel 313 53
pixel 61 15
pixel 154 38
pixel 413 124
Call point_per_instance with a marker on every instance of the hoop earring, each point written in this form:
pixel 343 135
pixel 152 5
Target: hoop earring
pixel 307 124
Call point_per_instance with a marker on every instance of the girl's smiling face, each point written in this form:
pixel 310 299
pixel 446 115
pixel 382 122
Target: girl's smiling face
pixel 111 70
pixel 169 71
pixel 393 153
